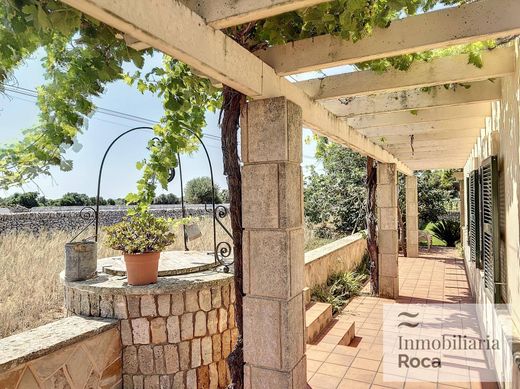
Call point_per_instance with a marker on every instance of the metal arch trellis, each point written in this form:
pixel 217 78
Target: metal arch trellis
pixel 221 250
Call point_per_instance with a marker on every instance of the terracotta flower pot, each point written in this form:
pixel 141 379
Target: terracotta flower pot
pixel 142 269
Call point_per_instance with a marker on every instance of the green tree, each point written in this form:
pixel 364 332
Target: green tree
pixel 435 190
pixel 27 199
pixel 199 191
pixel 335 197
pixel 73 199
pixel 166 198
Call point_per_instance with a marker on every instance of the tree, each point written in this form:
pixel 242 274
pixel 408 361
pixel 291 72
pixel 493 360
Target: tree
pixel 167 198
pixel 224 195
pixel 200 191
pixel 27 200
pixel 335 198
pixel 435 190
pixel 73 199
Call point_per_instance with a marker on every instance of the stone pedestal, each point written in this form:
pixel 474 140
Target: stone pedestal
pixel 272 195
pixel 412 217
pixel 387 235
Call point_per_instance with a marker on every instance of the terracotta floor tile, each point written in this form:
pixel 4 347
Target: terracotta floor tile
pixel 389 381
pixel 332 369
pixel 312 365
pixel 345 350
pixel 350 384
pixel 317 355
pixel 360 375
pixel 340 359
pixel 366 364
pixel 323 381
pixel 420 385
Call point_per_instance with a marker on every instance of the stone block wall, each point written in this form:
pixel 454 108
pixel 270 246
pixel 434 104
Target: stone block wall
pixel 340 256
pixel 69 219
pixel 73 352
pixel 177 340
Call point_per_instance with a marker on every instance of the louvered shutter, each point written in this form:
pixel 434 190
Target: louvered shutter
pixel 467 209
pixel 490 227
pixel 474 218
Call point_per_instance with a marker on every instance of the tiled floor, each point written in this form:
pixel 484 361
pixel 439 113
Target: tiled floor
pixel 437 277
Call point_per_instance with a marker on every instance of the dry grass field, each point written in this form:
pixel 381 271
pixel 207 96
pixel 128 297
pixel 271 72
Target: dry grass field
pixel 30 290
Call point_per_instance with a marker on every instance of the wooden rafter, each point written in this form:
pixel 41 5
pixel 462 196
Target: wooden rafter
pixel 481 20
pixel 226 13
pixel 425 128
pixel 174 29
pixel 478 92
pixel 445 70
pixel 389 119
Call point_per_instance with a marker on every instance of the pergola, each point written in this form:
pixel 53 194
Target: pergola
pixel 385 116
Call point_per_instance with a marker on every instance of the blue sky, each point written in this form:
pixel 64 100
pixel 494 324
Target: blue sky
pixel 18 112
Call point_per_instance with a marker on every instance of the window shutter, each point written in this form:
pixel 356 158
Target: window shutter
pixel 468 206
pixel 491 227
pixel 474 219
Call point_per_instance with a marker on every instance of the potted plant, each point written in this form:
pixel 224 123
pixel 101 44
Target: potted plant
pixel 141 237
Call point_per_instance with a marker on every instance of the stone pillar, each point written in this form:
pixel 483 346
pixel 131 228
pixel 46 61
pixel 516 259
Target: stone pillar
pixel 272 217
pixel 387 235
pixel 412 217
pixel 459 176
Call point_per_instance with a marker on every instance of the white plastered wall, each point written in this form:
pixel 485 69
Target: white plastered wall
pixel 502 137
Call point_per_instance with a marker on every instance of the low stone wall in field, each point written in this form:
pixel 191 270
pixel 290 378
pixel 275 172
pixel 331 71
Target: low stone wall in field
pixel 339 256
pixel 74 352
pixel 69 218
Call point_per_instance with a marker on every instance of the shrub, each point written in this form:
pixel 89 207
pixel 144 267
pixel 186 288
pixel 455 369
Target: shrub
pixel 448 231
pixel 140 233
pixel 198 191
pixel 340 287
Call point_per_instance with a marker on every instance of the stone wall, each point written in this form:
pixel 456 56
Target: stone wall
pixel 73 352
pixel 339 256
pixel 177 340
pixel 68 218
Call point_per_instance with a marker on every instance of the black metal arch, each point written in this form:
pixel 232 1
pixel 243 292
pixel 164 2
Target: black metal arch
pixel 221 250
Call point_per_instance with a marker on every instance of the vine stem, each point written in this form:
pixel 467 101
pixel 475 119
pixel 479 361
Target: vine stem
pixel 232 105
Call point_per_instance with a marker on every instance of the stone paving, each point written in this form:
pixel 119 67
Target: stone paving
pixel 437 277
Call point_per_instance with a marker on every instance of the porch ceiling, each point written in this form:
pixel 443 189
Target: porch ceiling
pixel 367 112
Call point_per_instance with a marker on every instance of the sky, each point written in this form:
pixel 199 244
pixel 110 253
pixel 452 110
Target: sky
pixel 18 111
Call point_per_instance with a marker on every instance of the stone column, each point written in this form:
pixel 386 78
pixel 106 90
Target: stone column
pixel 272 217
pixel 387 235
pixel 412 217
pixel 459 176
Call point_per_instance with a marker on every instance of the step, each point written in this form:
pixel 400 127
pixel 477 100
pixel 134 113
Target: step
pixel 317 317
pixel 350 334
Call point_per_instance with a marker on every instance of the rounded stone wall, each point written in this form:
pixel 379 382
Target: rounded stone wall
pixel 175 334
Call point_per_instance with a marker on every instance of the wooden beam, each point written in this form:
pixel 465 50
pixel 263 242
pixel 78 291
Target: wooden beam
pixel 437 165
pixel 479 92
pixel 481 110
pixel 443 145
pixel 440 71
pixel 221 14
pixel 449 134
pixel 171 27
pixel 425 128
pixel 481 20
